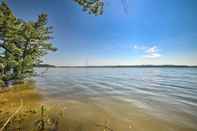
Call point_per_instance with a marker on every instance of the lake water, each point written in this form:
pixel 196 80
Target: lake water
pixel 167 97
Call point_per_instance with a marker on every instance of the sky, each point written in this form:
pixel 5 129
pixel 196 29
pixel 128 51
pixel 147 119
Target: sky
pixel 151 32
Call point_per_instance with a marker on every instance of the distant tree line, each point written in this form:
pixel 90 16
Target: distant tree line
pixel 22 44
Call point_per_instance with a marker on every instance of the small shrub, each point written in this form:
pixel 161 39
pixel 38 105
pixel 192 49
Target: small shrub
pixel 2 83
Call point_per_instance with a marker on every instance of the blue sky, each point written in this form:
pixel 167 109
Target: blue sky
pixel 153 31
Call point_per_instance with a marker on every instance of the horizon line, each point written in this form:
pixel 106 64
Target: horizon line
pixel 92 66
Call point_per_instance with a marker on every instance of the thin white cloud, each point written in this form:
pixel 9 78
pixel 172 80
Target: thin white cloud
pixel 155 55
pixel 139 47
pixel 150 52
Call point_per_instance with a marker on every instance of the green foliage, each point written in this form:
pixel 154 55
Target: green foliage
pixel 22 44
pixel 92 6
pixel 1 83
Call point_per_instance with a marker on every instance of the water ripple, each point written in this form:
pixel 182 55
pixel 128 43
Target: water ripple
pixel 160 91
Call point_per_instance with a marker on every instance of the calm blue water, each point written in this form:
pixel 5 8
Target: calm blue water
pixel 160 91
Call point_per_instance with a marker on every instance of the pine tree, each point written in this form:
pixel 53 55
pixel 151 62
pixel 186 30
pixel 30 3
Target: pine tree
pixel 22 44
pixel 91 6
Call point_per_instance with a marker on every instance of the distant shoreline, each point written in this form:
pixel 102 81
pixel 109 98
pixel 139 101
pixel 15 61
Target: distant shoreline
pixel 119 66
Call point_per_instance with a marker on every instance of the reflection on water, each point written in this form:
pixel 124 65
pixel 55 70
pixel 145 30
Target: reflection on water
pixel 167 94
